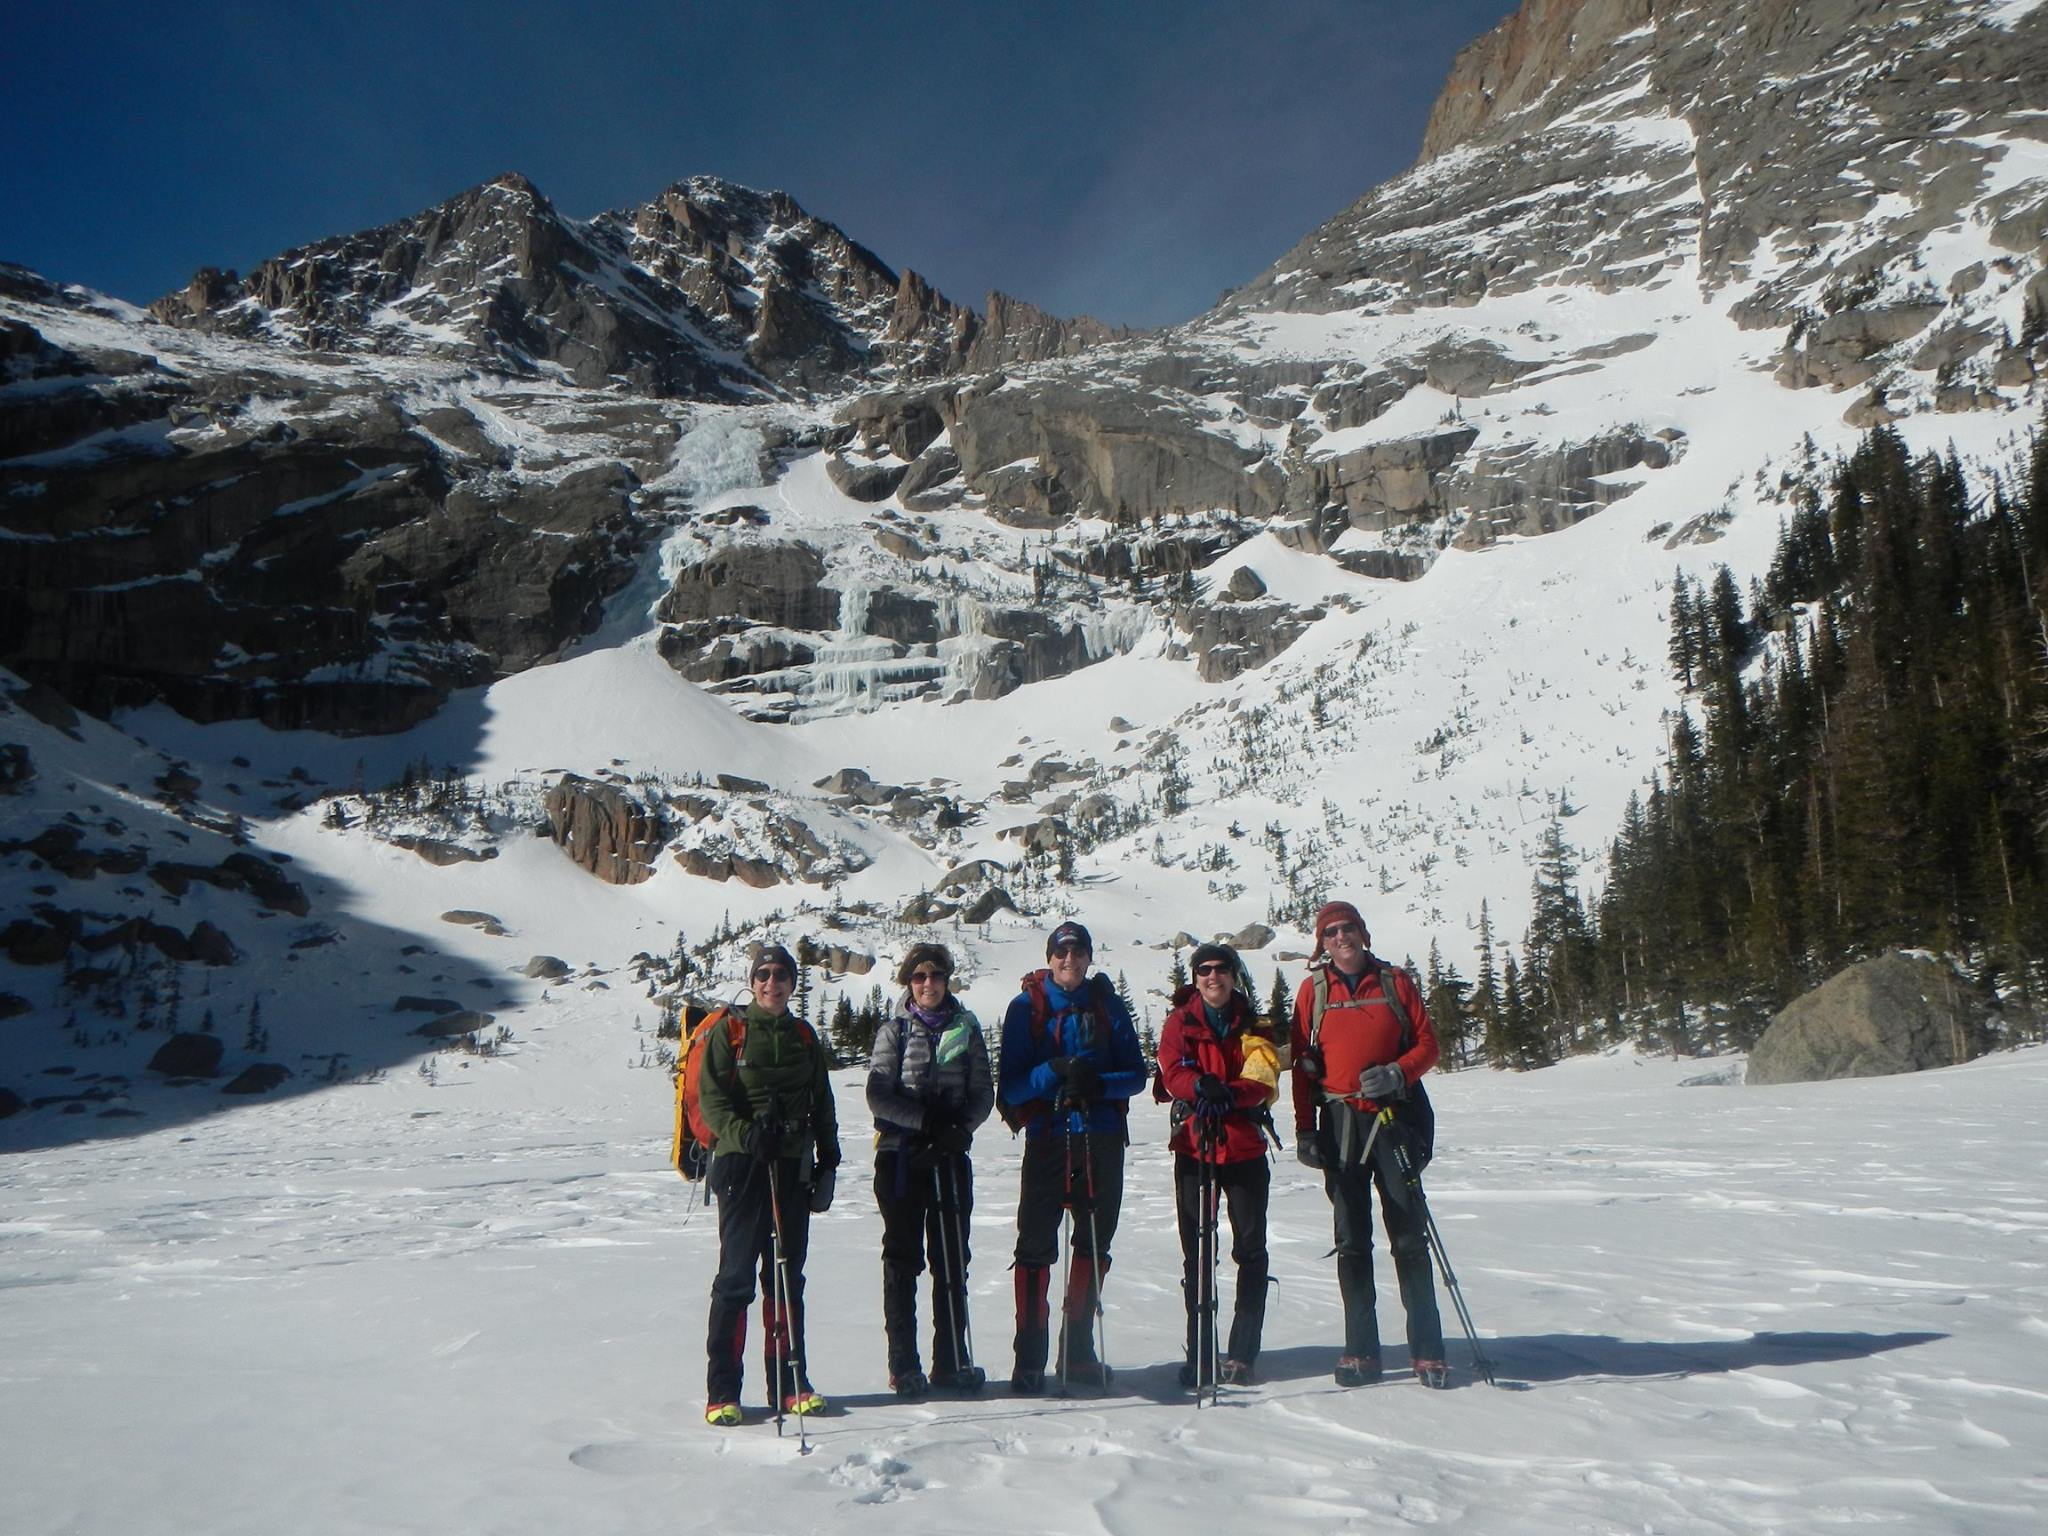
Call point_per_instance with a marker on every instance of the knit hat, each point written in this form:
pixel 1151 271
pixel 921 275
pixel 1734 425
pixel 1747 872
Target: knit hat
pixel 924 954
pixel 770 954
pixel 1209 952
pixel 1069 933
pixel 1337 912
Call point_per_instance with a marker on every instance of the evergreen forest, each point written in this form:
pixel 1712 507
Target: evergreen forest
pixel 1861 765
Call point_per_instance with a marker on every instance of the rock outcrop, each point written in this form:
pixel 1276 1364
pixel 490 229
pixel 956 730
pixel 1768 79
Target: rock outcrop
pixel 611 833
pixel 1896 1013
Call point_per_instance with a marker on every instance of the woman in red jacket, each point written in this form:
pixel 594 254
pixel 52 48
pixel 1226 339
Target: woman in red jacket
pixel 1218 1064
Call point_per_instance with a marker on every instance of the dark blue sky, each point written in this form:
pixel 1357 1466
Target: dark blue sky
pixel 1123 158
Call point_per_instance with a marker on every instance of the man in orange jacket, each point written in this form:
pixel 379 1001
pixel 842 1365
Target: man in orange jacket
pixel 1362 1036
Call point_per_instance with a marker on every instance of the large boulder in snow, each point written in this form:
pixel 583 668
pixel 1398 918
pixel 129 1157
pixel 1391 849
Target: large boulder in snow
pixel 606 830
pixel 1896 1013
pixel 188 1055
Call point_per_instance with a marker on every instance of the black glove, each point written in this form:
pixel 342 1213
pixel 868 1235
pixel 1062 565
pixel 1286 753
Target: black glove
pixel 1080 1082
pixel 1212 1090
pixel 762 1138
pixel 950 1136
pixel 1308 1061
pixel 921 1152
pixel 823 1178
pixel 1306 1152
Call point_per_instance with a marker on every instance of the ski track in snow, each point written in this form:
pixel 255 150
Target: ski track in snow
pixel 1713 1310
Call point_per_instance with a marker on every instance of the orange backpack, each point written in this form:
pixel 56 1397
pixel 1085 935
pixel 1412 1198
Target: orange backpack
pixel 695 1141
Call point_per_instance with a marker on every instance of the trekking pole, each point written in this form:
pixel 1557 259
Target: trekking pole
pixel 1436 1246
pixel 782 1317
pixel 956 1259
pixel 1066 1247
pixel 1215 1262
pixel 1098 1319
pixel 953 1284
pixel 1205 1253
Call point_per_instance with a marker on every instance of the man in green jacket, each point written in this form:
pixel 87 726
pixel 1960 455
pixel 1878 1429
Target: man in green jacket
pixel 769 1106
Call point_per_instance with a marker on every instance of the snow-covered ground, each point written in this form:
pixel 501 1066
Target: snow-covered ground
pixel 477 1303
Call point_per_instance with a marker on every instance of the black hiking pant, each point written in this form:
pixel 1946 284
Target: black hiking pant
pixel 1242 1191
pixel 1063 1169
pixel 1350 1190
pixel 746 1250
pixel 926 1213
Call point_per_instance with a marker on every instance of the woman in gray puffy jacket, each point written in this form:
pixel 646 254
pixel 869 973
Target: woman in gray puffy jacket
pixel 929 1088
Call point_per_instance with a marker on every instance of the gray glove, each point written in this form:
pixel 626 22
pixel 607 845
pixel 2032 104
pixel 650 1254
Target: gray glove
pixel 1306 1152
pixel 1383 1082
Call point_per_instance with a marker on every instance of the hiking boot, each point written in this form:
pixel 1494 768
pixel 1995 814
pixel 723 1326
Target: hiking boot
pixel 1357 1370
pixel 1236 1373
pixel 806 1401
pixel 1433 1373
pixel 969 1379
pixel 911 1383
pixel 1027 1383
pixel 1086 1373
pixel 723 1415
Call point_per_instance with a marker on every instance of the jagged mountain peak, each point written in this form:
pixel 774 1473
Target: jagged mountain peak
pixel 710 290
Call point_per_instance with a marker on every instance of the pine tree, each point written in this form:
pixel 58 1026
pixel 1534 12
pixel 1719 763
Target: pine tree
pixel 1559 946
pixel 846 1041
pixel 1279 1006
pixel 1444 996
pixel 1486 998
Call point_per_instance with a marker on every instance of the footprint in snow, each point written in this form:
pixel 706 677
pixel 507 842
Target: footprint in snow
pixel 875 1478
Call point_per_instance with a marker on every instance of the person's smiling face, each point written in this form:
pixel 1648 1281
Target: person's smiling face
pixel 1069 966
pixel 1213 980
pixel 772 986
pixel 928 985
pixel 1344 941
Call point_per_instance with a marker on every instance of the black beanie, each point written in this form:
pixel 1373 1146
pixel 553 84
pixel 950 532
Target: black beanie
pixel 1210 952
pixel 771 954
pixel 1069 933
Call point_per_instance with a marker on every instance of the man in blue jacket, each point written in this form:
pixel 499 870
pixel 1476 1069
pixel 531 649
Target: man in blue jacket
pixel 1070 1063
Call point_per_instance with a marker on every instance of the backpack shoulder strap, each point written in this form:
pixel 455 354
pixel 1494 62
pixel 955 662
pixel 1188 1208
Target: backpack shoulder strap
pixel 1100 992
pixel 1386 974
pixel 1041 1006
pixel 1319 1003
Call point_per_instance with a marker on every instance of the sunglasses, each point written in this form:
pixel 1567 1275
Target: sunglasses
pixel 1339 930
pixel 1212 968
pixel 772 973
pixel 917 977
pixel 1068 951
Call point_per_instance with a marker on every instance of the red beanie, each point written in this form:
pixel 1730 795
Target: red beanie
pixel 1337 912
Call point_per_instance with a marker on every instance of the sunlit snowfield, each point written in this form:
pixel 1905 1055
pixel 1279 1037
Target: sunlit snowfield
pixel 477 1304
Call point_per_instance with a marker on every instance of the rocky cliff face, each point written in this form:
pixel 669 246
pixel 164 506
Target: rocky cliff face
pixel 381 467
pixel 1610 191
